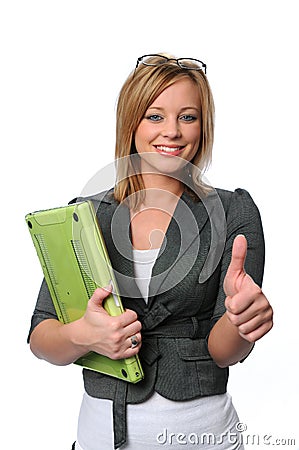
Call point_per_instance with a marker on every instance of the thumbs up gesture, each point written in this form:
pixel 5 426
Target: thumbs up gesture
pixel 247 308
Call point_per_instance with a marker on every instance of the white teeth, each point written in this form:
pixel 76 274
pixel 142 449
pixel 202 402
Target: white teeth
pixel 167 149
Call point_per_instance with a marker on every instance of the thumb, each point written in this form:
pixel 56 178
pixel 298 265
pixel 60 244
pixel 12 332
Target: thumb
pixel 235 272
pixel 99 295
pixel 238 255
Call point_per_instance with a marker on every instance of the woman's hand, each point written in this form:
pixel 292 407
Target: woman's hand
pixel 110 336
pixel 246 305
pixel 62 344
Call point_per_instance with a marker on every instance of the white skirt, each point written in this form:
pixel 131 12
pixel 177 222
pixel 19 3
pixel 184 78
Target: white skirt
pixel 158 423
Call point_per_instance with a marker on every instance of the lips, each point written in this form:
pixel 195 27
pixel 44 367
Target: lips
pixel 172 150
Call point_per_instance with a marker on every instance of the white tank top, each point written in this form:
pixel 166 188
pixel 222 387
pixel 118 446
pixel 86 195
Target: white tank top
pixel 144 261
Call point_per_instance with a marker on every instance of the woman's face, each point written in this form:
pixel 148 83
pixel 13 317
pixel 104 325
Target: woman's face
pixel 169 134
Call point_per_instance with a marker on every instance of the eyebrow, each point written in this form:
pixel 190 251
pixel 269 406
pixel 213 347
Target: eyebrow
pixel 160 108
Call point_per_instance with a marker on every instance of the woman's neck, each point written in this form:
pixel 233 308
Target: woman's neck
pixel 161 185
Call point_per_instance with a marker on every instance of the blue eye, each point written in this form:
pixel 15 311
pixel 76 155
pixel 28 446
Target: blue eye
pixel 154 117
pixel 188 118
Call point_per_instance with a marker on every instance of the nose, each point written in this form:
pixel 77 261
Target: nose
pixel 171 129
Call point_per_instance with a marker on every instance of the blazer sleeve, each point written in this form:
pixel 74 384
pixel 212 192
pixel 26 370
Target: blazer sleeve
pixel 44 308
pixel 243 217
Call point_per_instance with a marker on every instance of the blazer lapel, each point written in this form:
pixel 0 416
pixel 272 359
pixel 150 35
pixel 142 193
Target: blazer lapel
pixel 183 234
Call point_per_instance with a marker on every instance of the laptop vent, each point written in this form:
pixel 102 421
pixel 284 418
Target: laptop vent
pixel 83 265
pixel 63 315
pixel 44 250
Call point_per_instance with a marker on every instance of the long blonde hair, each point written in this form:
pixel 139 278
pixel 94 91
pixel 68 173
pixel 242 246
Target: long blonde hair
pixel 139 91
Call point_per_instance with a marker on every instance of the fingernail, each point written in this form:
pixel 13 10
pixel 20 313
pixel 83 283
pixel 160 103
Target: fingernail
pixel 109 287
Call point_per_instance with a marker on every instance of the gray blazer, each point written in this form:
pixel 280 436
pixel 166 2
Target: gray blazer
pixel 181 309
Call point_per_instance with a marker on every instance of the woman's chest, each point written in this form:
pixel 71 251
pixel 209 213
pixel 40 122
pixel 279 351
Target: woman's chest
pixel 148 228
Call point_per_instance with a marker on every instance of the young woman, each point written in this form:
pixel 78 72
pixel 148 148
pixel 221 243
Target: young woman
pixel 192 293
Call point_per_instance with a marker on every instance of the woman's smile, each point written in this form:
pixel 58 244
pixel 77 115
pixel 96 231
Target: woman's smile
pixel 169 150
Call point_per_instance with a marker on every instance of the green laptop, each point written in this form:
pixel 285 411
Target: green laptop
pixel 75 261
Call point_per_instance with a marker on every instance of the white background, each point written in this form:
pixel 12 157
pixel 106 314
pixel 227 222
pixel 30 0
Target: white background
pixel 62 66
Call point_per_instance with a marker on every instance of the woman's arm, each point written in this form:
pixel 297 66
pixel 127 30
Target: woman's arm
pixel 62 344
pixel 248 315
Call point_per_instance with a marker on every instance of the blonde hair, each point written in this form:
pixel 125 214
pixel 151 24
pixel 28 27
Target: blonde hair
pixel 139 91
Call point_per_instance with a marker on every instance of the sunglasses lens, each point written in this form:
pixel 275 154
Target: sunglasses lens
pixel 190 64
pixel 154 60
